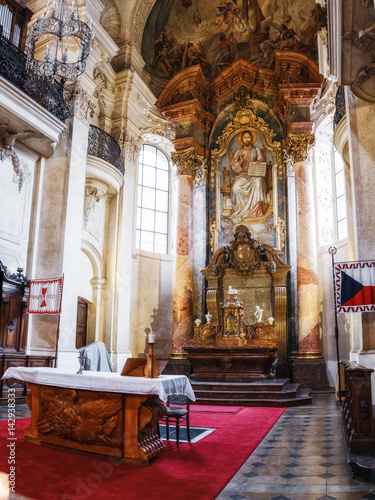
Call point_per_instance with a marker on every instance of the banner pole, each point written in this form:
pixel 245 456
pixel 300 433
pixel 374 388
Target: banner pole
pixel 333 250
pixel 57 340
pixel 58 323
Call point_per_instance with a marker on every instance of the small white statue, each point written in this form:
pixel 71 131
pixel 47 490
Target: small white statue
pixel 271 320
pixel 232 291
pixel 197 322
pixel 208 317
pixel 258 314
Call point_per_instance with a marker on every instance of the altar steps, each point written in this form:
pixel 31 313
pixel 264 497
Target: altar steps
pixel 277 392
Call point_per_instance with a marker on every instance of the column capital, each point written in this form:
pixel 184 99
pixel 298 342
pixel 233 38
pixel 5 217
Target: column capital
pixel 299 148
pixel 188 162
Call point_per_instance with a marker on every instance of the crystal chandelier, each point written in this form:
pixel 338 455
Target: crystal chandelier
pixel 66 38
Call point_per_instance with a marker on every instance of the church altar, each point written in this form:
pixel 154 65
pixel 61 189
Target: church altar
pixel 233 351
pixel 98 412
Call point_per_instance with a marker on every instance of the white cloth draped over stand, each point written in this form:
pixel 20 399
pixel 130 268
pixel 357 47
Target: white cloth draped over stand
pixel 96 357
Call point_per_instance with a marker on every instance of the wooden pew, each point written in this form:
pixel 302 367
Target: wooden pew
pixel 358 420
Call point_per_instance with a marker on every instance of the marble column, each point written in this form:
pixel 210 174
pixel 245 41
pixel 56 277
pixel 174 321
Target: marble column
pixel 187 163
pixel 301 148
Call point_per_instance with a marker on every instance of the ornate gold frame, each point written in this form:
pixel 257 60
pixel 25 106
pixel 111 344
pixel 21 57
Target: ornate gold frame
pixel 247 120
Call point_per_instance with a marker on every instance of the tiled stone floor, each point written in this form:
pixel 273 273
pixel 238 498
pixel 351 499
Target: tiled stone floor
pixel 302 458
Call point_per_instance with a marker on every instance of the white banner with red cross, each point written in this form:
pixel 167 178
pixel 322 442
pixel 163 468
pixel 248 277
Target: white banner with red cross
pixel 45 296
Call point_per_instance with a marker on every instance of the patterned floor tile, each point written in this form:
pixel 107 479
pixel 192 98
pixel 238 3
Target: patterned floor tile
pixel 304 458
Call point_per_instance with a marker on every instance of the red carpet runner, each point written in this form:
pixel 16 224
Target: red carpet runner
pixel 194 471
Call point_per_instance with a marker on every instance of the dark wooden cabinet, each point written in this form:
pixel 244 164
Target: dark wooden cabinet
pixel 14 293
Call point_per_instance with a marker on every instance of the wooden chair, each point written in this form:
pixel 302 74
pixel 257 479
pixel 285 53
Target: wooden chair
pixel 177 414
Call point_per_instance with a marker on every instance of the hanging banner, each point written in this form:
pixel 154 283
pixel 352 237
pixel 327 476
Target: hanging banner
pixel 45 296
pixel 355 286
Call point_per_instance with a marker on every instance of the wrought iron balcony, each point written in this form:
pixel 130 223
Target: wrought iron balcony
pixel 340 107
pixel 104 146
pixel 48 93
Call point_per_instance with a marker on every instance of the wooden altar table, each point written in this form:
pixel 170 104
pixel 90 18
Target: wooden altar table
pixel 98 412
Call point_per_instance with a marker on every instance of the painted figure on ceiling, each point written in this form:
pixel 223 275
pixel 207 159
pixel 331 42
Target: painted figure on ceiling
pixel 248 173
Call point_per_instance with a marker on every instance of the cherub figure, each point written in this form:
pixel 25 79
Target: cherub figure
pixel 258 314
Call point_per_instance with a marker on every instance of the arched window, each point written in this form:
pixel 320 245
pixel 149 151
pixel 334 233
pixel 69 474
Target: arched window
pixel 153 201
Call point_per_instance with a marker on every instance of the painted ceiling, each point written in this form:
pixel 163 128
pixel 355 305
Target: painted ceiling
pixel 216 34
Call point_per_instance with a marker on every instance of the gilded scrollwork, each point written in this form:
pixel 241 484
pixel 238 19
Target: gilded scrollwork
pixel 187 162
pixel 244 119
pixel 281 224
pixel 213 235
pixel 301 147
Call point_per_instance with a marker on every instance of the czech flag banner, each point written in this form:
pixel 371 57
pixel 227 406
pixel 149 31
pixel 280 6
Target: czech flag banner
pixel 45 296
pixel 355 286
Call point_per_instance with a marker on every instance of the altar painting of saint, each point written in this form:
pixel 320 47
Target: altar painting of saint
pixel 247 187
pixel 249 184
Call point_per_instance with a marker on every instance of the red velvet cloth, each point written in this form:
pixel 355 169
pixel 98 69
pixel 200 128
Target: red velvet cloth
pixel 199 470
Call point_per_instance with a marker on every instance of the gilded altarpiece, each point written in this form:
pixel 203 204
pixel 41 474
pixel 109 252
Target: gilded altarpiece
pixel 247 181
pixel 247 185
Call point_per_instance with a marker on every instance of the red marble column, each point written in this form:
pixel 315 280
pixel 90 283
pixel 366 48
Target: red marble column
pixel 309 345
pixel 182 328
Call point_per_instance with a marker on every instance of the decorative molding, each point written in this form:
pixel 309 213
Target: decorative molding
pixel 191 82
pixel 140 18
pixel 130 147
pixel 289 163
pixel 187 143
pixel 201 174
pixel 101 81
pixel 158 139
pixel 300 94
pixel 110 19
pixel 93 194
pixel 187 162
pixel 21 172
pixel 300 147
pixel 301 128
pixel 190 111
pixel 78 99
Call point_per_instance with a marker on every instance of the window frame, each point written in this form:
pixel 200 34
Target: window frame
pixel 138 219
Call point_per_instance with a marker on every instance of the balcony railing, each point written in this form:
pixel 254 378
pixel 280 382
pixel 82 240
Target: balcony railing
pixel 48 93
pixel 104 146
pixel 340 107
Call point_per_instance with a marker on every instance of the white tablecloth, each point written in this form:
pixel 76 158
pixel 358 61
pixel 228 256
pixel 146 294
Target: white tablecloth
pixel 163 386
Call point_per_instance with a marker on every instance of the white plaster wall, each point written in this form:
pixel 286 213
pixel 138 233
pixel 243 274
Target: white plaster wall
pixel 152 304
pixel 95 227
pixel 327 236
pixel 86 274
pixel 15 210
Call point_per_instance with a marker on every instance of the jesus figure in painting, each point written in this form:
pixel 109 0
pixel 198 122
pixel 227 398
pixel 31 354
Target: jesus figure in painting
pixel 249 192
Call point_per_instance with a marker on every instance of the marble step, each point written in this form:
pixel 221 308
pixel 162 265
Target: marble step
pixel 280 403
pixel 277 384
pixel 289 392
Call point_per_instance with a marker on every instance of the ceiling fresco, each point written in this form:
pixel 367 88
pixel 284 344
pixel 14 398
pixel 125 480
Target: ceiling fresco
pixel 216 34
